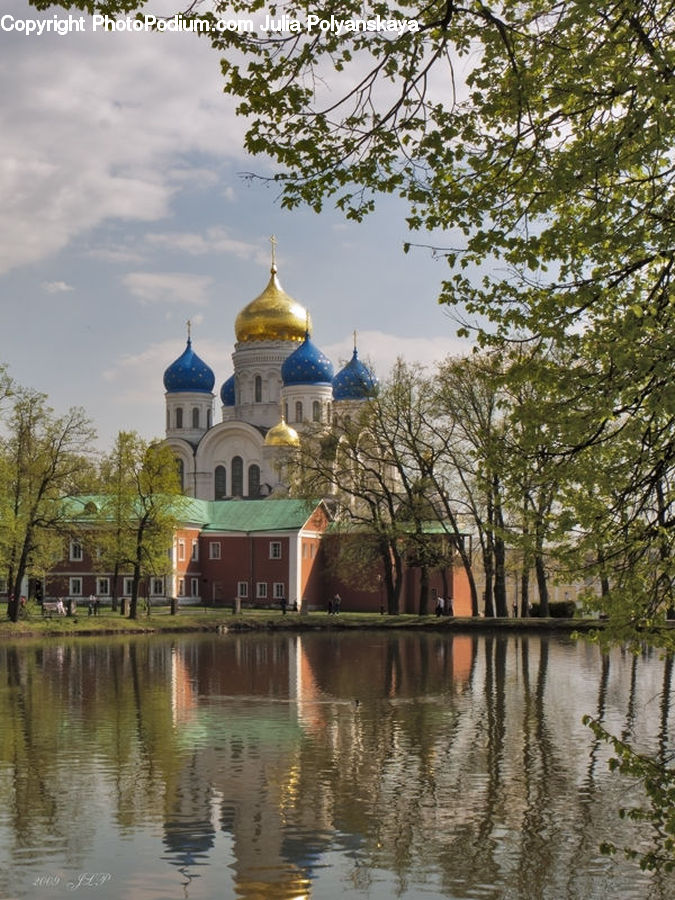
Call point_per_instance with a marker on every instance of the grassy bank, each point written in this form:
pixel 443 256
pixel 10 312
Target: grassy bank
pixel 199 619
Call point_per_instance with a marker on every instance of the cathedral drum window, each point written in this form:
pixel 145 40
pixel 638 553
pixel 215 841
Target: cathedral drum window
pixel 220 483
pixel 237 477
pixel 254 481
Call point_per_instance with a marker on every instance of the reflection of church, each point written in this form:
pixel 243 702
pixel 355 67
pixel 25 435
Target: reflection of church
pixel 281 383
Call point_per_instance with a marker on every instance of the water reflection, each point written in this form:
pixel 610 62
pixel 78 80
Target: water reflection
pixel 265 766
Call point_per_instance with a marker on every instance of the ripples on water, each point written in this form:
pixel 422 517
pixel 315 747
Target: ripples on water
pixel 296 767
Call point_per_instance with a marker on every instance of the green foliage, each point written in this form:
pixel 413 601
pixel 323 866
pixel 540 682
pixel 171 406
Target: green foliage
pixel 43 458
pixel 658 779
pixel 103 7
pixel 142 505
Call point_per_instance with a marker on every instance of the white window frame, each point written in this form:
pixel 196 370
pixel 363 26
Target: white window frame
pixel 181 587
pixel 181 550
pixel 128 587
pixel 214 550
pixel 261 590
pixel 275 549
pixel 195 550
pixel 279 590
pixel 103 587
pixel 75 586
pixel 76 551
pixel 242 590
pixel 157 587
pixel 194 587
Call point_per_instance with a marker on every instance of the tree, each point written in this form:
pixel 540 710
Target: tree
pixel 345 467
pixel 43 458
pixel 379 467
pixel 471 427
pixel 141 507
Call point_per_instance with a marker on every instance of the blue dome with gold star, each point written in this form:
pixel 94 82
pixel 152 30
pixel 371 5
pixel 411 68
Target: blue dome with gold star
pixel 189 374
pixel 307 365
pixel 354 381
pixel 227 392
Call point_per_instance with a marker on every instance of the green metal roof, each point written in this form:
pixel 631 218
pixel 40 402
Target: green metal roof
pixel 256 515
pixel 217 515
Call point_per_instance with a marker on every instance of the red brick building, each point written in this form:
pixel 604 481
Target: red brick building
pixel 255 552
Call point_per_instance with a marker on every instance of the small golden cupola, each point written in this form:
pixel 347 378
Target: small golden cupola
pixel 273 316
pixel 282 435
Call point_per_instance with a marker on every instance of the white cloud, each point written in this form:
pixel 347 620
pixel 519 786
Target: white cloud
pixel 116 253
pixel 56 287
pixel 169 287
pixel 213 240
pixel 91 133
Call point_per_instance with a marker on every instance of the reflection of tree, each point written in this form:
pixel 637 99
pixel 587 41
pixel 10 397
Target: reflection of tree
pixel 630 707
pixel 495 668
pixel 587 835
pixel 67 721
pixel 536 765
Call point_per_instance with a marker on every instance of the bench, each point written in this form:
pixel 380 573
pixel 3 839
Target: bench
pixel 53 608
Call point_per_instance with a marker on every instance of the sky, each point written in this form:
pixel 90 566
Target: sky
pixel 125 211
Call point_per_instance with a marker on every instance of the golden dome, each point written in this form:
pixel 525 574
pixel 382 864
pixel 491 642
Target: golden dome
pixel 282 435
pixel 273 316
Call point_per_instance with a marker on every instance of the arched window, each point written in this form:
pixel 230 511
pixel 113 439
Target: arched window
pixel 220 483
pixel 258 389
pixel 254 482
pixel 286 411
pixel 298 410
pixel 209 418
pixel 316 411
pixel 237 477
pixel 168 420
pixel 181 473
pixel 195 417
pixel 179 417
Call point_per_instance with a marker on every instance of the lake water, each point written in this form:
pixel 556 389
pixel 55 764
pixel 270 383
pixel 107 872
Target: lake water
pixel 365 765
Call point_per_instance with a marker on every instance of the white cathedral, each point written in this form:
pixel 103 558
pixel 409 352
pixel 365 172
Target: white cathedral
pixel 281 383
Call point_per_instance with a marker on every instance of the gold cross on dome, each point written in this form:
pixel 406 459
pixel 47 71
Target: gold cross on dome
pixel 189 328
pixel 273 242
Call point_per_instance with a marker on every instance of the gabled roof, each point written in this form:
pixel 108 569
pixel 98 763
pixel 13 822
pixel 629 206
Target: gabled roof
pixel 257 515
pixel 217 515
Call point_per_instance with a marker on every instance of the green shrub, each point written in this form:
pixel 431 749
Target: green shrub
pixel 565 609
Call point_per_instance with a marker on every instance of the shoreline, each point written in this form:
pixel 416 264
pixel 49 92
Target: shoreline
pixel 222 622
pixel 191 620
